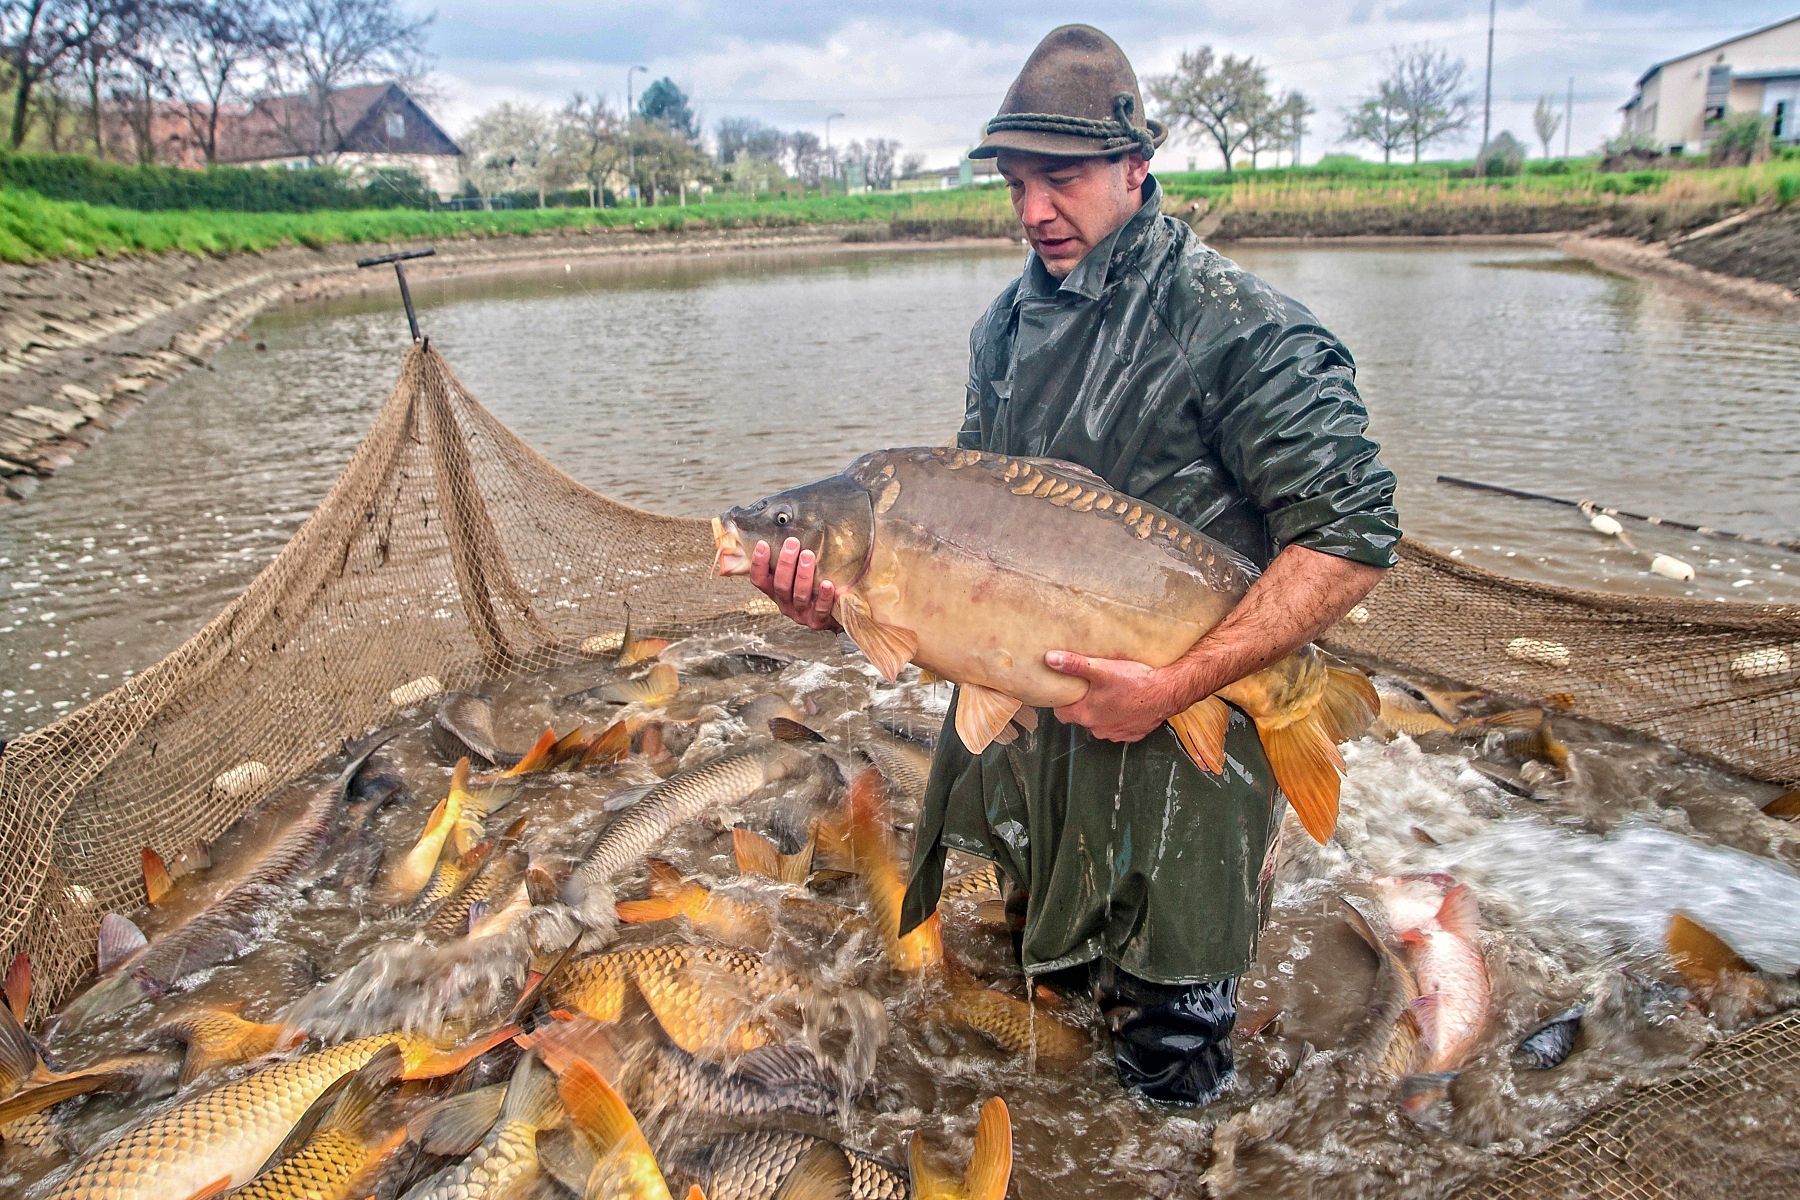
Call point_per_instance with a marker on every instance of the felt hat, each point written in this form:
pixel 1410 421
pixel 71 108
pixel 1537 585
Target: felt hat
pixel 1077 97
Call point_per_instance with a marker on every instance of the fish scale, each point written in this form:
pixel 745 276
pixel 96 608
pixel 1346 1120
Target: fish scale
pixel 694 1015
pixel 228 1131
pixel 753 1166
pixel 505 1162
pixel 322 1168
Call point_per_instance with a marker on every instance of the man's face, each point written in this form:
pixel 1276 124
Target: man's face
pixel 1070 205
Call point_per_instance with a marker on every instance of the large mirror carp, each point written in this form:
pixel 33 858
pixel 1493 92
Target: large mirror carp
pixel 974 565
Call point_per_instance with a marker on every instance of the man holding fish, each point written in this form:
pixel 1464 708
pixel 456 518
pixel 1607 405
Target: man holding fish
pixel 1165 375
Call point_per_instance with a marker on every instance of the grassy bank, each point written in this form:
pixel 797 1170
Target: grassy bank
pixel 1317 201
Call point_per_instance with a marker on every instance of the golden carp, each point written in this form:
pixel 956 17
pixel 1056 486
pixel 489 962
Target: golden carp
pixel 769 1163
pixel 1026 1028
pixel 505 1162
pixel 873 857
pixel 671 895
pixel 334 1152
pixel 757 855
pixel 1716 973
pixel 624 1167
pixel 975 565
pixel 454 826
pixel 707 998
pixel 982 883
pixel 225 1134
pixel 502 867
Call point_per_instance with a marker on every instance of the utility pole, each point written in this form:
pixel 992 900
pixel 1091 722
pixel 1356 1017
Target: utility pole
pixel 630 142
pixel 1568 116
pixel 1487 91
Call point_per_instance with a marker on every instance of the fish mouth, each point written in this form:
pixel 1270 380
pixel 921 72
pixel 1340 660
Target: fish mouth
pixel 729 557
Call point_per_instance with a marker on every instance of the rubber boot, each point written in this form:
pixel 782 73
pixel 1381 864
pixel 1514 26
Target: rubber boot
pixel 1171 1044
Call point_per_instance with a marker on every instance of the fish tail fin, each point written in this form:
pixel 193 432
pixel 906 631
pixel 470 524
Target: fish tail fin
pixel 671 895
pixel 611 745
pixel 158 883
pixel 755 854
pixel 538 758
pixel 1702 957
pixel 990 1161
pixel 454 1126
pixel 568 1038
pixel 797 867
pixel 217 1037
pixel 662 682
pixel 18 1054
pixel 1304 752
pixel 599 1111
pixel 18 986
pixel 76 1083
pixel 530 1095
pixel 1201 731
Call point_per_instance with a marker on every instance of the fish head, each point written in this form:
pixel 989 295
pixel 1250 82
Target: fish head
pixel 834 518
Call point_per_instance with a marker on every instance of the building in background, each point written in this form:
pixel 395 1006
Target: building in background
pixel 359 130
pixel 1680 101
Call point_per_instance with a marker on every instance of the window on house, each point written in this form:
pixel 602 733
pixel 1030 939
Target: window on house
pixel 1781 122
pixel 396 125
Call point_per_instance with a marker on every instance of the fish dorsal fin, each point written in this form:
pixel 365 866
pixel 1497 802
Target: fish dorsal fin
pixel 613 744
pixel 1785 807
pixel 1201 731
pixel 360 1095
pixel 457 1125
pixel 786 729
pixel 797 867
pixel 981 715
pixel 157 880
pixel 823 1173
pixel 755 854
pixel 538 758
pixel 777 1067
pixel 1701 956
pixel 120 940
pixel 18 986
pixel 889 647
pixel 599 1112
pixel 1460 915
pixel 311 1118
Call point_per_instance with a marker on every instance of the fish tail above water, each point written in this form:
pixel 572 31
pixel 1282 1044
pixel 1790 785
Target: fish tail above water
pixel 1707 963
pixel 757 855
pixel 872 856
pixel 18 986
pixel 625 1168
pixel 989 1170
pixel 217 1037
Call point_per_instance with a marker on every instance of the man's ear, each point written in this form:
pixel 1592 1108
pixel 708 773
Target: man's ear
pixel 1137 169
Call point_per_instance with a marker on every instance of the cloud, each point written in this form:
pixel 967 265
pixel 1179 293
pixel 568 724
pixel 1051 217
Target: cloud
pixel 930 74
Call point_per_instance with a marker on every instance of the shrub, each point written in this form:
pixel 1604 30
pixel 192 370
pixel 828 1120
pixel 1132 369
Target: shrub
pixel 1504 155
pixel 230 189
pixel 1739 140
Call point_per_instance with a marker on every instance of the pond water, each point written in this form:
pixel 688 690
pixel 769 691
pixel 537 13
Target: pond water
pixel 686 385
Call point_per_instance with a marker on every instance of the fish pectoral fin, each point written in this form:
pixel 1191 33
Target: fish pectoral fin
pixel 1201 731
pixel 1023 722
pixel 1459 915
pixel 1701 956
pixel 889 647
pixel 157 880
pixel 1304 752
pixel 982 714
pixel 119 940
pixel 18 986
pixel 823 1173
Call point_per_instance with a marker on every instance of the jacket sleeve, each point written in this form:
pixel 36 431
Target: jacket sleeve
pixel 1291 429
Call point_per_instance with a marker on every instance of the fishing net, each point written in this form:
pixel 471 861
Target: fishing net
pixel 450 552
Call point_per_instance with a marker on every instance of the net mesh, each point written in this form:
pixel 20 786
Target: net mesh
pixel 450 552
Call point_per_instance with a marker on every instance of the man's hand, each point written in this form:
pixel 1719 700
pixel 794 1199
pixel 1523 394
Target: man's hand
pixel 1125 700
pixel 790 584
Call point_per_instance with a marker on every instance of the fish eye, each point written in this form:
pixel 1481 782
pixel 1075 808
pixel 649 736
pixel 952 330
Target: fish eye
pixel 783 517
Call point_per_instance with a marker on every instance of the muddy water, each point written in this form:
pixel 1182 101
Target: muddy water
pixel 1575 888
pixel 688 385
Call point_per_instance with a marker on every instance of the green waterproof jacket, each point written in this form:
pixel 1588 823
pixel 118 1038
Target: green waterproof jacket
pixel 1193 385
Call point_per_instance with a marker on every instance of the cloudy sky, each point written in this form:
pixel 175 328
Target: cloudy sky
pixel 929 73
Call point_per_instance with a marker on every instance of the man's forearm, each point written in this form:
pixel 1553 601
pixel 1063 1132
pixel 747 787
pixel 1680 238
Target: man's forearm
pixel 1302 594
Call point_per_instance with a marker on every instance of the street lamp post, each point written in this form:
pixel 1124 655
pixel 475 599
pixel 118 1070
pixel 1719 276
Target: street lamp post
pixel 829 154
pixel 630 145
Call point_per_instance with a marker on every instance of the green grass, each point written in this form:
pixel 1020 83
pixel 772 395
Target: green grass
pixel 34 229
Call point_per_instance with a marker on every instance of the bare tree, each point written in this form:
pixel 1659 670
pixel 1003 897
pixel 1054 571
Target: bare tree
pixel 666 161
pixel 881 153
pixel 807 154
pixel 590 142
pixel 911 165
pixel 327 45
pixel 1429 85
pixel 37 39
pixel 512 148
pixel 1546 119
pixel 750 138
pixel 1380 120
pixel 1225 99
pixel 215 49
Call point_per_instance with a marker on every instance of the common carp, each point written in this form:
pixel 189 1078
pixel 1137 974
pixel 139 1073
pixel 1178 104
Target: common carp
pixel 1444 953
pixel 873 857
pixel 975 565
pixel 706 997
pixel 334 1152
pixel 464 725
pixel 729 779
pixel 132 969
pixel 218 1037
pixel 504 1162
pixel 624 1167
pixel 226 1134
pixel 771 1162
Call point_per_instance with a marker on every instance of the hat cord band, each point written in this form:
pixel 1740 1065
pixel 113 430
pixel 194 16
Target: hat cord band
pixel 1116 134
